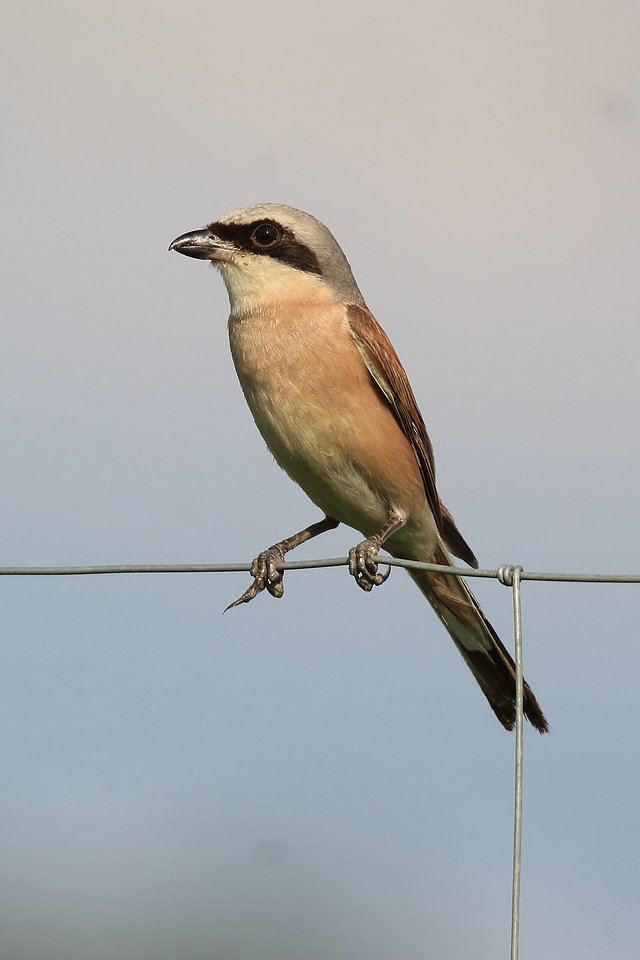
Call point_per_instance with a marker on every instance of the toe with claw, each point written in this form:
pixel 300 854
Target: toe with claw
pixel 264 568
pixel 363 565
pixel 265 576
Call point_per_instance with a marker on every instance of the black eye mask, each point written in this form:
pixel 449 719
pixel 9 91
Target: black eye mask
pixel 271 239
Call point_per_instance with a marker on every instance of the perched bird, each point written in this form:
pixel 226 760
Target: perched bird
pixel 335 407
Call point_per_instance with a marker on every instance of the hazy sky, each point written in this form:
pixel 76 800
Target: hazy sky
pixel 318 778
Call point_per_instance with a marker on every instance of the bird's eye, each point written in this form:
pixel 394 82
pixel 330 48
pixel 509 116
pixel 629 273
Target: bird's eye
pixel 266 235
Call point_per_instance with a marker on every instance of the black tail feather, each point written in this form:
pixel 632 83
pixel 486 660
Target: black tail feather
pixel 487 657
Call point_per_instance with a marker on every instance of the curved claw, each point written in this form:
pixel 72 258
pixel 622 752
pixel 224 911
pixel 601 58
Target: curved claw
pixel 265 576
pixel 363 565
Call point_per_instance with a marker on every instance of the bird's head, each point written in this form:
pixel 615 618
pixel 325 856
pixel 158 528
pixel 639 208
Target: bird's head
pixel 271 253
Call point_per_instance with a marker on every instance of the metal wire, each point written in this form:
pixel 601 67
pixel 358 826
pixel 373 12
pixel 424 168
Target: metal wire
pixel 517 815
pixel 509 575
pixel 314 564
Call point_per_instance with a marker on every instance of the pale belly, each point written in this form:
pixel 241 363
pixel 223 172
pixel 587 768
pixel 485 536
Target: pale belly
pixel 327 426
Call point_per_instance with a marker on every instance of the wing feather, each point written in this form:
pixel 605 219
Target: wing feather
pixel 390 376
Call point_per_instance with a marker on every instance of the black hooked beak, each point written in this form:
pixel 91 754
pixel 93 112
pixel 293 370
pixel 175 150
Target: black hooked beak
pixel 202 245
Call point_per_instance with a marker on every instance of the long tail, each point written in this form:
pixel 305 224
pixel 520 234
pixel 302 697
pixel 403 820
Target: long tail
pixel 488 659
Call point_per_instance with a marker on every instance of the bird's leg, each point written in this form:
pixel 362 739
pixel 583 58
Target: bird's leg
pixel 264 568
pixel 362 563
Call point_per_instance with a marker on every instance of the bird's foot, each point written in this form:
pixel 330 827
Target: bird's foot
pixel 265 576
pixel 363 565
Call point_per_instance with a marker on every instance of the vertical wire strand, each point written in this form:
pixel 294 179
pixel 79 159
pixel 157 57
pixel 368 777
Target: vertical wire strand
pixel 517 815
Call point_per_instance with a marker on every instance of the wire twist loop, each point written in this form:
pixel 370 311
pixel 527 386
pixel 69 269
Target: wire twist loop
pixel 505 574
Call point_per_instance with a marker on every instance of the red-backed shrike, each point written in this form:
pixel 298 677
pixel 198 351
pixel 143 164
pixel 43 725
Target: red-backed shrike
pixel 335 407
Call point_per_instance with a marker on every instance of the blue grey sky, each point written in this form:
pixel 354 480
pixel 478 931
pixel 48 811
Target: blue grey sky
pixel 318 777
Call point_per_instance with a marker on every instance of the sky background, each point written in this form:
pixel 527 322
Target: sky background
pixel 317 778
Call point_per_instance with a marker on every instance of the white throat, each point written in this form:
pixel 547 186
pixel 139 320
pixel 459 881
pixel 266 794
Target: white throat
pixel 253 282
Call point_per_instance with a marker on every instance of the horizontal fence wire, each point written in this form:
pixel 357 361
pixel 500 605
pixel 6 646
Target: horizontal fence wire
pixel 505 570
pixel 508 574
